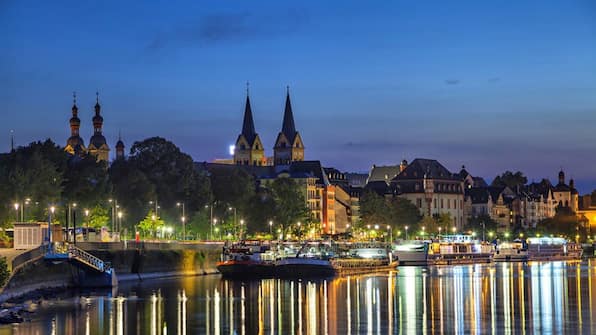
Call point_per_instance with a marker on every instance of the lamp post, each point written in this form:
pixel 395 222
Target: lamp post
pixel 74 223
pixel 483 231
pixel 406 228
pixel 210 220
pixel 235 222
pixel 271 228
pixel 390 233
pixel 16 209
pixel 119 220
pixel 440 228
pixel 183 220
pixel 52 209
pixel 214 223
pixel 241 226
pixel 86 236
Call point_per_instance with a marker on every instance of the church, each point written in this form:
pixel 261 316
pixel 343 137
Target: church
pixel 98 146
pixel 288 146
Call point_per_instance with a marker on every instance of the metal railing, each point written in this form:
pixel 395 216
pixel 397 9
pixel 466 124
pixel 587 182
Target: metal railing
pixel 88 259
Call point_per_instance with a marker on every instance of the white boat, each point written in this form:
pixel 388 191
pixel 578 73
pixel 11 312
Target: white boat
pixel 552 248
pixel 450 249
pixel 516 251
pixel 323 259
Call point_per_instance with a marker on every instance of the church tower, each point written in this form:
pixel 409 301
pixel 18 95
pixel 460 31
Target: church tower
pixel 119 148
pixel 75 144
pixel 249 149
pixel 98 145
pixel 288 146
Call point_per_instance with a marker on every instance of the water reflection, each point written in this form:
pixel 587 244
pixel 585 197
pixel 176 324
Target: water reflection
pixel 500 298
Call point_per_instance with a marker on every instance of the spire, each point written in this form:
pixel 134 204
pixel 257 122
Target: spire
pixel 97 106
pixel 11 140
pixel 288 127
pixel 75 109
pixel 248 124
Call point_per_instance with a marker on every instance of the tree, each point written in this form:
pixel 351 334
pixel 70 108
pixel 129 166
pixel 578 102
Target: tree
pixel 510 179
pixel 403 213
pixel 151 223
pixel 127 180
pixel 85 181
pixel 481 224
pixel 171 172
pixel 233 187
pixel 98 217
pixel 374 209
pixel 262 210
pixel 290 206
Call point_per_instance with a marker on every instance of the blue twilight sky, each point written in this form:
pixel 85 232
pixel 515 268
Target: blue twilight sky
pixel 494 85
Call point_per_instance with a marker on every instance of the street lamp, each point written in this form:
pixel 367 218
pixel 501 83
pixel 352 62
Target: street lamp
pixel 183 219
pixel 440 228
pixel 271 228
pixel 119 220
pixel 214 223
pixel 241 224
pixel 235 222
pixel 87 223
pixel 16 209
pixel 52 209
pixel 406 228
pixel 390 233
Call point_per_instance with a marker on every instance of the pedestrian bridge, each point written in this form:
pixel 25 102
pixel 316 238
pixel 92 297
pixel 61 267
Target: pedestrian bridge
pixel 58 251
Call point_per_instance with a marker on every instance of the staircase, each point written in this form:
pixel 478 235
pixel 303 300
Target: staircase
pixel 62 251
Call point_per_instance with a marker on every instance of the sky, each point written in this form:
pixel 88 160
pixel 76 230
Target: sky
pixel 494 86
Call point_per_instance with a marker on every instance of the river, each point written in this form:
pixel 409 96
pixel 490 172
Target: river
pixel 537 297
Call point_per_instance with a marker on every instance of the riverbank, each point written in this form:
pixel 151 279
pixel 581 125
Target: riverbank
pixel 130 260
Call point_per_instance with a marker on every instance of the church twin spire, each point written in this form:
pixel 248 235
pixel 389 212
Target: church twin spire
pixel 288 146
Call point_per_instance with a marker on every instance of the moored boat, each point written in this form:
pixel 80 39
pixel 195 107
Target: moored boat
pixel 450 249
pixel 247 259
pixel 516 251
pixel 322 259
pixel 552 248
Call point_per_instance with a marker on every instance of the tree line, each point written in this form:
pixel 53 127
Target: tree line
pixel 149 189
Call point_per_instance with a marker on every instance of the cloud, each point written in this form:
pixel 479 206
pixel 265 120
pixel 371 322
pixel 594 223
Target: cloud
pixel 221 28
pixel 494 80
pixel 452 81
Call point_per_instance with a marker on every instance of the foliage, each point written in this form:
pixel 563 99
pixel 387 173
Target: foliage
pixel 98 217
pixel 35 172
pixel 476 224
pixel 127 180
pixel 262 210
pixel 561 224
pixel 374 209
pixel 510 179
pixel 395 212
pixel 171 172
pixel 290 205
pixel 233 187
pixel 151 223
pixel 4 272
pixel 85 181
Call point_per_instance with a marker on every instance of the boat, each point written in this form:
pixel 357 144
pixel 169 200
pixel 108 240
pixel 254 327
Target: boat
pixel 247 259
pixel 552 249
pixel 449 249
pixel 326 259
pixel 516 251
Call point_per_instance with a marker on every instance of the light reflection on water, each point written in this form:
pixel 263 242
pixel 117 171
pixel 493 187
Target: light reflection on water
pixel 553 297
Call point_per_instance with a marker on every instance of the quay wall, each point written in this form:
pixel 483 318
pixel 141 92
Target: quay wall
pixel 130 260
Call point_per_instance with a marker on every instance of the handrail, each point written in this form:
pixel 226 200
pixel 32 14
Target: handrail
pixel 88 259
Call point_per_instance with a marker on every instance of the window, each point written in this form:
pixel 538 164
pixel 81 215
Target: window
pixel 419 202
pixel 417 187
pixel 435 203
pixel 441 203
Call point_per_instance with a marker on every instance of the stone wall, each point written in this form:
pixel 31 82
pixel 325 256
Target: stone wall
pixel 131 261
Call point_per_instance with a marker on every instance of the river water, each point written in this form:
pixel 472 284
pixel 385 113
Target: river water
pixel 537 297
